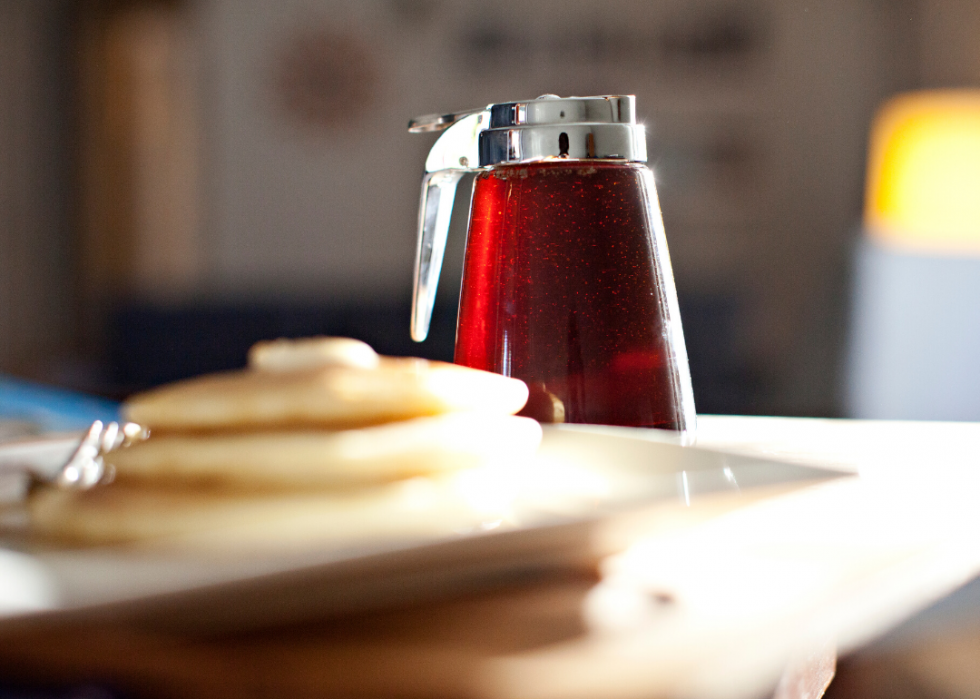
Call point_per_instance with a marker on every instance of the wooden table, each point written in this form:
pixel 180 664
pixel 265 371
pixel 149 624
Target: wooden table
pixel 735 596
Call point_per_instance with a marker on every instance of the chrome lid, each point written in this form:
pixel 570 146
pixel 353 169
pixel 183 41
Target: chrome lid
pixel 577 128
pixel 552 109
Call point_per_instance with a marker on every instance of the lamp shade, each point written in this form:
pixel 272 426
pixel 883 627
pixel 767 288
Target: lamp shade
pixel 923 184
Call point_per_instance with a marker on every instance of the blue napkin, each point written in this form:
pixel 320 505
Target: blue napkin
pixel 52 409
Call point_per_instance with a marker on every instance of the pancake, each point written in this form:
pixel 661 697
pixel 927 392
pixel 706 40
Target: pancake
pixel 333 397
pixel 230 523
pixel 311 459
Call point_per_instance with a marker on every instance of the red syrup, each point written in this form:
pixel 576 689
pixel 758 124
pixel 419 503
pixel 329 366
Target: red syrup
pixel 563 287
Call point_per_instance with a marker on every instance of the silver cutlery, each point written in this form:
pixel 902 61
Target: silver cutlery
pixel 64 462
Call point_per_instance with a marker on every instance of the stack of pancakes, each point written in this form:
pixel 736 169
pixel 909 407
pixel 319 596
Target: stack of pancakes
pixel 317 440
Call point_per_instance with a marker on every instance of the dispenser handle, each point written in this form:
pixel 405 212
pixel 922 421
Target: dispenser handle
pixel 435 212
pixel 455 153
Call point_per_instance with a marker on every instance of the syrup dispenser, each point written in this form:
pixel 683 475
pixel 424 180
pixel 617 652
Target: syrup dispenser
pixel 567 283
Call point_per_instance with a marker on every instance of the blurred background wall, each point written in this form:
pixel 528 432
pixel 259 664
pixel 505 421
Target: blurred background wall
pixel 179 178
pixel 36 313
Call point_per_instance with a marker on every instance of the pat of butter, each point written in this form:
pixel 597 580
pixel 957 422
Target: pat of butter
pixel 311 353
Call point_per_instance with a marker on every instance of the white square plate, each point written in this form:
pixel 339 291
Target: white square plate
pixel 581 477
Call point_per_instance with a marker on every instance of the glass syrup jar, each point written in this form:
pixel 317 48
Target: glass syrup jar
pixel 567 282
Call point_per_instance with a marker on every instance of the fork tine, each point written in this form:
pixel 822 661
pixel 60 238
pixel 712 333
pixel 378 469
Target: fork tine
pixel 108 440
pixel 73 473
pixel 133 433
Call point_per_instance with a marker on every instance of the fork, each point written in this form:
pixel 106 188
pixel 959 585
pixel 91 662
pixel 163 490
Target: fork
pixel 64 462
pixel 86 467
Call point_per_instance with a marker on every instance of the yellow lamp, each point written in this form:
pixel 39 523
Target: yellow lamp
pixel 915 321
pixel 923 190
